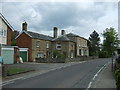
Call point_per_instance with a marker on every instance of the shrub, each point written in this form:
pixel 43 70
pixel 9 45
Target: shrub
pixel 57 54
pixel 103 54
pixel 117 76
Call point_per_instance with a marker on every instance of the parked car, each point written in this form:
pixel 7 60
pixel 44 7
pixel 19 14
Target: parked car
pixel 1 60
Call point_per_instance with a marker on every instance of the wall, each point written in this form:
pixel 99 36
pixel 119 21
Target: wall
pixel 3 26
pixel 41 49
pixel 9 36
pixel 16 54
pixel 24 41
pixel 58 60
pixel 82 44
pixel 65 47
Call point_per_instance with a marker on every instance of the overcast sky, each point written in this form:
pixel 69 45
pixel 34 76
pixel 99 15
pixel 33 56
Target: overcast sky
pixel 77 17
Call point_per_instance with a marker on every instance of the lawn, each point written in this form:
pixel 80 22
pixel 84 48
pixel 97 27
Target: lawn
pixel 11 71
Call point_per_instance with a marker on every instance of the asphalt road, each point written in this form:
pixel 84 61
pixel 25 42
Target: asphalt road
pixel 75 76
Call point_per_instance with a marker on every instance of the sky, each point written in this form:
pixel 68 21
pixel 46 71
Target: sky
pixel 80 18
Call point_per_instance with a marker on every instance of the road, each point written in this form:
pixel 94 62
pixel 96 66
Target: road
pixel 75 76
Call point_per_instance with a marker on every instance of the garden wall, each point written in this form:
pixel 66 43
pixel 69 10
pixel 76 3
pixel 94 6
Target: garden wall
pixel 60 60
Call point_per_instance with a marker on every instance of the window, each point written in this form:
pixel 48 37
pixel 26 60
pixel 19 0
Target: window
pixel 3 33
pixel 37 44
pixel 79 51
pixel 79 42
pixel 40 55
pixel 72 47
pixel 47 45
pixel 58 46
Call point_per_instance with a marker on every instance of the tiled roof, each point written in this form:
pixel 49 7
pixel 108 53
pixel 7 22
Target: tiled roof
pixel 39 36
pixel 72 35
pixel 62 38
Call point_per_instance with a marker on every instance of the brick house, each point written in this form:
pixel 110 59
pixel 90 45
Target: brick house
pixel 5 31
pixel 38 44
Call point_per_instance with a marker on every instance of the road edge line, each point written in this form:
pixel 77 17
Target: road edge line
pixel 96 75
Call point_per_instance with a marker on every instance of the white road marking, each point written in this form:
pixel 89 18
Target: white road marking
pixel 89 85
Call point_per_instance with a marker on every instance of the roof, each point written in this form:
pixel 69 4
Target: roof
pixel 67 37
pixel 62 38
pixel 36 35
pixel 74 35
pixel 39 36
pixel 3 18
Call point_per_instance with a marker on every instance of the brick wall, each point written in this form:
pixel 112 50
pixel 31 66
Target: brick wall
pixel 9 36
pixel 24 41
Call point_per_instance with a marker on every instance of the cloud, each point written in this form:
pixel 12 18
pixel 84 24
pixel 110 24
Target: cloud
pixel 79 17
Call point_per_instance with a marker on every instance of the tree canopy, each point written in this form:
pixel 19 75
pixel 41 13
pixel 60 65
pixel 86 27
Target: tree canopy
pixel 94 41
pixel 111 40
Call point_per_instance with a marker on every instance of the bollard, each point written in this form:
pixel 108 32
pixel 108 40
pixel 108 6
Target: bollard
pixel 4 70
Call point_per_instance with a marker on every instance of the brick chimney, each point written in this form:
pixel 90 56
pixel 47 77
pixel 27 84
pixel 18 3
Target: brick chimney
pixel 24 26
pixel 55 32
pixel 62 32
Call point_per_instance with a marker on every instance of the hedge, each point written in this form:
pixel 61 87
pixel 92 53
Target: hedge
pixel 117 76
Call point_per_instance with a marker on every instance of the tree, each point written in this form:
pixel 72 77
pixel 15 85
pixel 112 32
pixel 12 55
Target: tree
pixel 111 41
pixel 94 41
pixel 14 35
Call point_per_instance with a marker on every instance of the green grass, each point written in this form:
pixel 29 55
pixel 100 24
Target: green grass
pixel 11 71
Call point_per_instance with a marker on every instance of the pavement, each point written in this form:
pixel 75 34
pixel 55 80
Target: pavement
pixel 104 78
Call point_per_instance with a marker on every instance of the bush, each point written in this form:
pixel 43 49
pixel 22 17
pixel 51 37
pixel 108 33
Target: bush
pixel 117 77
pixel 103 54
pixel 57 54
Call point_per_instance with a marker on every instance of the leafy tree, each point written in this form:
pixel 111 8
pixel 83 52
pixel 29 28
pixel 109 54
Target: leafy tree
pixel 94 41
pixel 111 40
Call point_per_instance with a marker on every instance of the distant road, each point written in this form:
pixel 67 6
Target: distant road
pixel 75 76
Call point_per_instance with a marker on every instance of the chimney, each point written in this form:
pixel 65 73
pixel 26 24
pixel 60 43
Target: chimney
pixel 55 32
pixel 63 32
pixel 24 26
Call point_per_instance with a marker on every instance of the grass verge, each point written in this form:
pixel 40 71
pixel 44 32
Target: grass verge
pixel 12 71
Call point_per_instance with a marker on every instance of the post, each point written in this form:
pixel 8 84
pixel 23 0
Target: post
pixel 0 50
pixel 112 61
